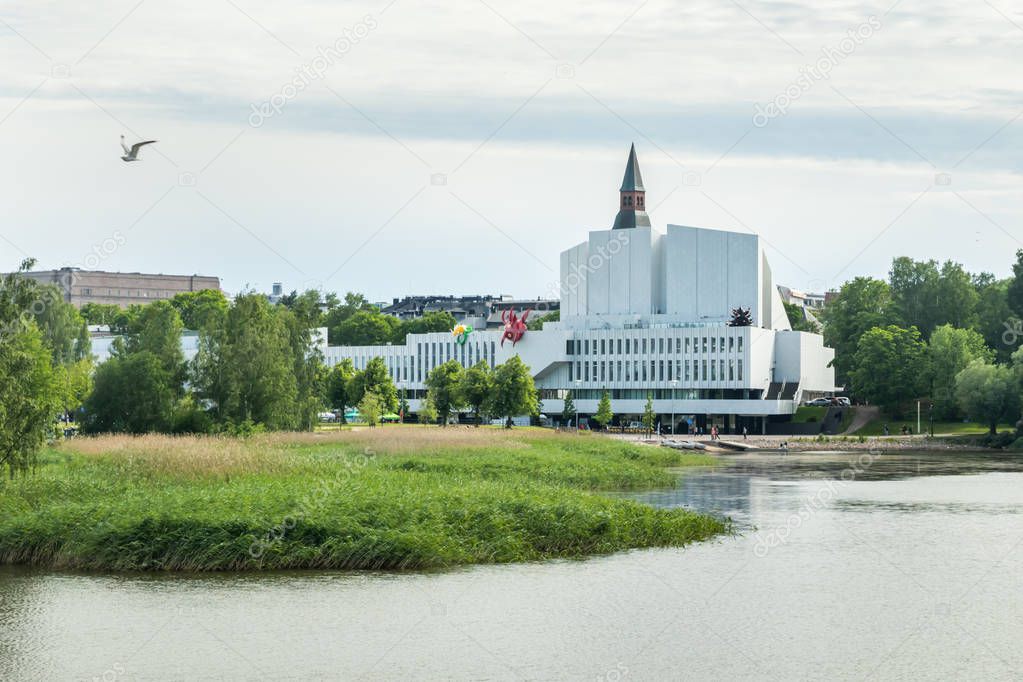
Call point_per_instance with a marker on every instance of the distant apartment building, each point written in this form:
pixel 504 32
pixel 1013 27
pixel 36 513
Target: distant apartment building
pixel 479 311
pixel 802 298
pixel 120 288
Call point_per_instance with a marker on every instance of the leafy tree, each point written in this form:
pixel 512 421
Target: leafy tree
pixel 536 324
pixel 29 393
pixel 246 370
pixel 157 329
pixel 307 307
pixel 99 313
pixel 1014 291
pixel 949 352
pixel 475 387
pixel 915 291
pixel 365 328
pixel 403 407
pixel 65 330
pixel 29 397
pixel 442 384
pixel 604 414
pixel 201 309
pixel 513 392
pixel 437 321
pixel 74 381
pixel 370 408
pixel 337 384
pixel 374 379
pixel 993 313
pixel 568 413
pixel 131 393
pixel 862 303
pixel 339 312
pixel 957 298
pixel 889 366
pixel 649 416
pixel 427 412
pixel 797 318
pixel 988 393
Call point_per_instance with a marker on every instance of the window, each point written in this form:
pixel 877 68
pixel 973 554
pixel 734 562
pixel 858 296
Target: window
pixel 740 350
pixel 635 346
pixel 731 370
pixel 704 368
pixel 602 370
pixel 619 370
pixel 731 343
pixel 644 371
pixel 713 371
pixel 721 369
pixel 687 344
pixel 578 371
pixel 610 370
pixel 713 344
pixel 578 347
pixel 669 371
pixel 685 365
pixel 660 345
pixel 603 349
pixel 704 344
pixel 722 346
pixel 619 346
pixel 586 375
pixel 660 371
pixel 644 346
pixel 628 371
pixel 740 361
pixel 678 344
pixel 571 374
pixel 569 347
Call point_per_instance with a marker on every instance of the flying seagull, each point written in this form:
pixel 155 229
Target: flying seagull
pixel 133 153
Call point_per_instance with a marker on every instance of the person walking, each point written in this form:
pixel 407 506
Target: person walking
pixel 745 433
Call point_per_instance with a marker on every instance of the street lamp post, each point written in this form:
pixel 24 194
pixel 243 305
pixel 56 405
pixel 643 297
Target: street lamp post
pixel 577 382
pixel 673 383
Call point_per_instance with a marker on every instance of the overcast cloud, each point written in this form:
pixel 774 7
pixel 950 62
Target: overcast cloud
pixel 457 147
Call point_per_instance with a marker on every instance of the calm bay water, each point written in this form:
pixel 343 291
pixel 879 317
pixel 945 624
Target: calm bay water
pixel 914 570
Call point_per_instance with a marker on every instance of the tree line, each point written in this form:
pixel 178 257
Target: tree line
pixel 931 331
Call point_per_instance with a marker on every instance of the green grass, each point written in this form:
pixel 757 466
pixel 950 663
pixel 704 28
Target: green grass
pixel 808 413
pixel 386 498
pixel 954 428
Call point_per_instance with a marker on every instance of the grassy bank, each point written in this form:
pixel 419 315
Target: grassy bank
pixel 386 498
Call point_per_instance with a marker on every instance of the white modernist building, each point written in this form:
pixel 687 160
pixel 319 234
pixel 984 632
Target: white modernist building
pixel 645 313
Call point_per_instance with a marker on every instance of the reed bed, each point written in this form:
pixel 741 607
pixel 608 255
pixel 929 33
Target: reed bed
pixel 386 498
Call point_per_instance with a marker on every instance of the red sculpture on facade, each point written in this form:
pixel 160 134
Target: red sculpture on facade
pixel 514 326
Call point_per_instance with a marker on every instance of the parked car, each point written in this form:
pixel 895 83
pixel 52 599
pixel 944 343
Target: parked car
pixel 819 402
pixel 843 402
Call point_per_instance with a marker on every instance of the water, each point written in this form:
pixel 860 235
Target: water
pixel 912 571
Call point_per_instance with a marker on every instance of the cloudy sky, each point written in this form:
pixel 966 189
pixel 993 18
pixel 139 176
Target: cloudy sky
pixel 399 147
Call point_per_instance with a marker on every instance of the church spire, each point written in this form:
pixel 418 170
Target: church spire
pixel 632 199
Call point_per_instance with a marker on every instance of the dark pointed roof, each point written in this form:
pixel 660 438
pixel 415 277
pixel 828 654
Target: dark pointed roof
pixel 633 180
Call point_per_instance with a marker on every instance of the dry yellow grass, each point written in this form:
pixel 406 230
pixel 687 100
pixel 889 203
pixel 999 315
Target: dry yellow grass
pixel 222 456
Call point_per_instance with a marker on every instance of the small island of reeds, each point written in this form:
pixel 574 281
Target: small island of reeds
pixel 398 497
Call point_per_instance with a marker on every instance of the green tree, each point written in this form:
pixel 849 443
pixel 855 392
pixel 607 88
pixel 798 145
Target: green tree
pixel 370 408
pixel 993 313
pixel 442 385
pixel 649 416
pixel 99 313
pixel 949 352
pixel 246 370
pixel 797 318
pixel 29 397
pixel 514 392
pixel 157 329
pixel 437 321
pixel 374 379
pixel 476 385
pixel 64 329
pixel 337 384
pixel 988 393
pixel 365 328
pixel 29 393
pixel 604 414
pixel 915 293
pixel 339 312
pixel 427 412
pixel 957 298
pixel 1014 291
pixel 861 304
pixel 537 323
pixel 568 413
pixel 74 381
pixel 307 307
pixel 132 394
pixel 201 309
pixel 890 366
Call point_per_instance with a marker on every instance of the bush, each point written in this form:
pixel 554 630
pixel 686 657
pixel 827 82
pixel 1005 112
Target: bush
pixel 1001 440
pixel 1017 444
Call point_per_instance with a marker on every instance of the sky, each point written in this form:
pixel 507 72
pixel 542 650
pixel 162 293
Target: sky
pixel 398 147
